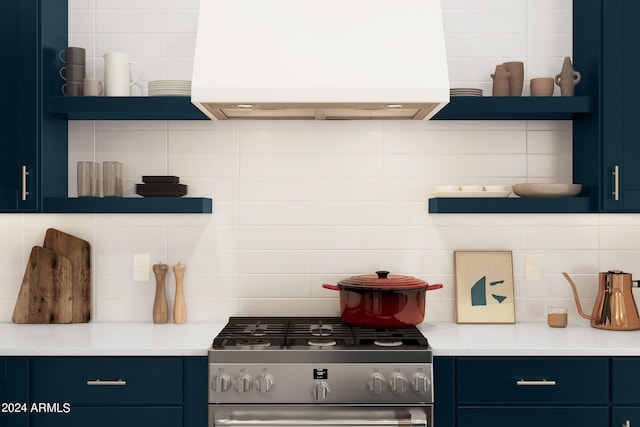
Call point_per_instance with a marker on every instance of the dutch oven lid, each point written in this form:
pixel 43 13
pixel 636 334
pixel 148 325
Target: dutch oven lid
pixel 382 280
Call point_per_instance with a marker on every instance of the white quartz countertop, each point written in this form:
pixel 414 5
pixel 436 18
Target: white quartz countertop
pixel 193 339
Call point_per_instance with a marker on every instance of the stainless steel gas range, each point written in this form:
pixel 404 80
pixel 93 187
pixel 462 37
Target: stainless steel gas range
pixel 303 371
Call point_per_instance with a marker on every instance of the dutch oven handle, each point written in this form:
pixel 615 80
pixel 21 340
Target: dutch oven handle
pixel 433 287
pixel 331 287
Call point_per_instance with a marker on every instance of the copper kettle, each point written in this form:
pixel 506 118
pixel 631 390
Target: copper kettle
pixel 615 309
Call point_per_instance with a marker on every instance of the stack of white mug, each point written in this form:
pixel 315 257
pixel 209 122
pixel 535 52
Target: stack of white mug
pixel 73 71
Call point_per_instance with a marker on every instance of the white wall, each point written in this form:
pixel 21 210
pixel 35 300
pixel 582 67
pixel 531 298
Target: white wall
pixel 301 203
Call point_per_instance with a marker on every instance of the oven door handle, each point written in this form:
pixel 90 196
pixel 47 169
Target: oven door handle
pixel 418 418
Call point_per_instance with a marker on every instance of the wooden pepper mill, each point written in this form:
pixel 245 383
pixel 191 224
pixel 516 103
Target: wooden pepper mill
pixel 179 306
pixel 160 307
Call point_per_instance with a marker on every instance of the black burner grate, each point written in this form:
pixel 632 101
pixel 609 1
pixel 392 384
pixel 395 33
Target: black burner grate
pixel 309 330
pixel 410 336
pixel 253 331
pixel 281 332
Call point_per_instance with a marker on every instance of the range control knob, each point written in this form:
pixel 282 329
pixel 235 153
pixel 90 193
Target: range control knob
pixel 377 383
pixel 265 383
pixel 398 383
pixel 420 383
pixel 242 383
pixel 320 391
pixel 220 383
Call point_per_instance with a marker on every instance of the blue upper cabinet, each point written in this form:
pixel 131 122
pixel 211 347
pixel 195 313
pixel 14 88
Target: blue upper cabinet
pixel 607 145
pixel 18 147
pixel 620 106
pixel 31 31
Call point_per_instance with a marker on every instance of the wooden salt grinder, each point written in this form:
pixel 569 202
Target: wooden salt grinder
pixel 160 307
pixel 179 306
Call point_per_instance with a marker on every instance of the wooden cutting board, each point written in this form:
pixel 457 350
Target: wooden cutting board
pixel 78 251
pixel 45 295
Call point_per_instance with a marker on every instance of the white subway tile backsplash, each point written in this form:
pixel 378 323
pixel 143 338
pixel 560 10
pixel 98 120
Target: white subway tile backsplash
pixel 562 237
pixel 131 21
pixel 541 21
pixel 486 142
pixel 274 237
pixel 487 45
pixel 420 165
pixel 137 45
pixel 346 237
pixel 464 21
pixel 181 45
pixel 274 189
pixel 274 286
pixel 274 262
pixel 332 140
pixel 345 213
pixel 131 4
pixel 433 262
pixel 557 166
pixel 299 203
pixel 272 213
pixel 255 141
pixel 484 4
pixel 348 262
pixel 346 165
pixel 550 45
pixel 494 165
pixel 491 238
pixel 182 21
pixel 274 165
pixel 418 141
pixel 419 237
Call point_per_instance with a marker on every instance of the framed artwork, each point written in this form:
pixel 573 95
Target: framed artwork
pixel 484 287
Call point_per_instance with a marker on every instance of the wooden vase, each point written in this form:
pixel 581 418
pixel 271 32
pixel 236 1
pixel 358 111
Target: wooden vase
pixel 516 82
pixel 501 81
pixel 568 78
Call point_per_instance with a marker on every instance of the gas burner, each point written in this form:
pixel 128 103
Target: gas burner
pixel 250 344
pixel 321 330
pixel 321 343
pixel 381 343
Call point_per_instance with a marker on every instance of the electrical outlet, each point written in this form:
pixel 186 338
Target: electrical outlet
pixel 533 268
pixel 141 264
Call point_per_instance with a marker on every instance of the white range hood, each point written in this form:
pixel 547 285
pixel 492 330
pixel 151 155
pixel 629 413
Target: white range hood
pixel 329 59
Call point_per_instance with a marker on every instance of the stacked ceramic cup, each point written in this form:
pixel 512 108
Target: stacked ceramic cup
pixel 73 71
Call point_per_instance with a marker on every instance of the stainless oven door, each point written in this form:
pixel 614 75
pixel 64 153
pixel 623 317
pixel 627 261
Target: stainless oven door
pixel 317 416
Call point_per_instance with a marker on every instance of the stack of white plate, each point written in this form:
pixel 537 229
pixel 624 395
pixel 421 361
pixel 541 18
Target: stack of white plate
pixel 170 88
pixel 465 91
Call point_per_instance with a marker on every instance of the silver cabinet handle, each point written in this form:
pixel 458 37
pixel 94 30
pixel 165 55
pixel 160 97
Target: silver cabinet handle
pixel 106 382
pixel 616 183
pixel 536 382
pixel 25 193
pixel 627 424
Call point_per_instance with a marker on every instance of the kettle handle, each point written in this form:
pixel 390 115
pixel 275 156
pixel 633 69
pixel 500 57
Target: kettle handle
pixel 576 297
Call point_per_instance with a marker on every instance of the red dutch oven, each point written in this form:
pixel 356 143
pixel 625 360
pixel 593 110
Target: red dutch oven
pixel 382 300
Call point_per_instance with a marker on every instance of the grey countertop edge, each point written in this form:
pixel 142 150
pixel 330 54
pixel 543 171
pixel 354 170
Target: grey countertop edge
pixel 194 339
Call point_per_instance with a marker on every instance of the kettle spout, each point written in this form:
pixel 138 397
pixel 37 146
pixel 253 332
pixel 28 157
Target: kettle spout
pixel 576 297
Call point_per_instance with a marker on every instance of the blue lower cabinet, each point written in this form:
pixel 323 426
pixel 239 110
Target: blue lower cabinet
pixel 108 380
pixel 444 375
pixel 109 417
pixel 117 391
pixel 509 416
pixel 625 417
pixel 14 392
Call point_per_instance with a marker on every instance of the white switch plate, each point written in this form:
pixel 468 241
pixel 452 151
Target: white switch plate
pixel 141 264
pixel 533 267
